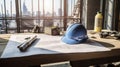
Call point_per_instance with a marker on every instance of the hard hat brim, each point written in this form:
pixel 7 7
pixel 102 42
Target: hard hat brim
pixel 69 40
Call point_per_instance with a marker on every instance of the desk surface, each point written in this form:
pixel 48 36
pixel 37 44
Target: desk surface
pixel 84 58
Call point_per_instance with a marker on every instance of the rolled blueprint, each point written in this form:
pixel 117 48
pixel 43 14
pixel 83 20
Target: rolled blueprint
pixel 23 47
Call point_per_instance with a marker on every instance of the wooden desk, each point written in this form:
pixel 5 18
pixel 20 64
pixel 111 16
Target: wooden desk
pixel 82 59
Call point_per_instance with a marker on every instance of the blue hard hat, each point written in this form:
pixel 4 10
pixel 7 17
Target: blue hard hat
pixel 75 34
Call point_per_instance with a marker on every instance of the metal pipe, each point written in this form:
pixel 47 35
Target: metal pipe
pixel 43 10
pixel 20 14
pixel 17 16
pixel 81 10
pixel 38 12
pixel 74 2
pixel 20 9
pixel 71 7
pixel 11 8
pixel 43 15
pixel 53 8
pixel 38 8
pixel 2 10
pixel 32 7
pixel 60 12
pixel 65 13
pixel 2 14
pixel 6 30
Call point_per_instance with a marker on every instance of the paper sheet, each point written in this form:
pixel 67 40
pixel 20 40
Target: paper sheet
pixel 54 43
pixel 47 44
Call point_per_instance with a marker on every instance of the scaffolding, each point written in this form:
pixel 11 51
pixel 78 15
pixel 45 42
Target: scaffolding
pixel 77 11
pixel 19 16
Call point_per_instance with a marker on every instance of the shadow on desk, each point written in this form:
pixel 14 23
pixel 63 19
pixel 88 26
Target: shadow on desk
pixel 108 45
pixel 3 43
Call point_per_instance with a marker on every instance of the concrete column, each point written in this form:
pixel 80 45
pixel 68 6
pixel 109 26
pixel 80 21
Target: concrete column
pixel 110 24
pixel 90 8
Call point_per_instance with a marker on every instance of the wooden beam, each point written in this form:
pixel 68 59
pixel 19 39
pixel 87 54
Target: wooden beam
pixel 65 14
pixel 81 9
